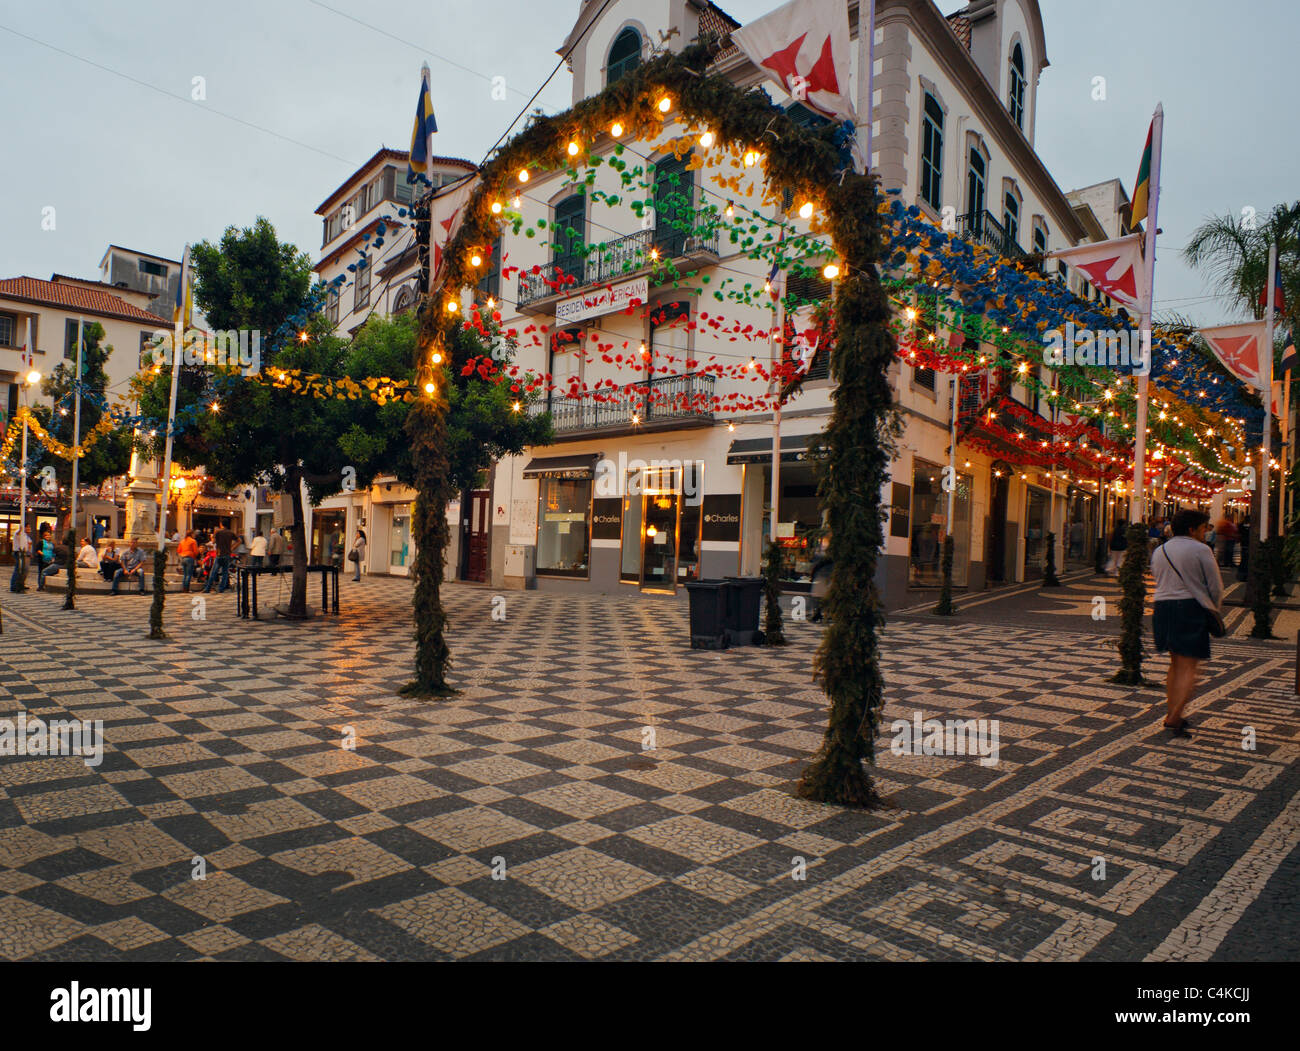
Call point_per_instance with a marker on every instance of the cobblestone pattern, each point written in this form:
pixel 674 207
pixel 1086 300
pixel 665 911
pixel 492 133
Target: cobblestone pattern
pixel 598 790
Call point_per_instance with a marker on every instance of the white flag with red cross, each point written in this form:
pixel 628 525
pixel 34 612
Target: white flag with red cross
pixel 1115 267
pixel 446 213
pixel 1240 349
pixel 804 47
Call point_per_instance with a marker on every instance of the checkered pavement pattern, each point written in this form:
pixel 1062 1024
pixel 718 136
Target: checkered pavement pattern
pixel 597 790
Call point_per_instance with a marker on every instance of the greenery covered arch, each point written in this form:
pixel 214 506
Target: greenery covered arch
pixel 857 445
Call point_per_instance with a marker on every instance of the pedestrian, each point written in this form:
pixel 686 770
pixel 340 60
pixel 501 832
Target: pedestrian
pixel 88 557
pixel 188 552
pixel 1188 592
pixel 44 552
pixel 275 548
pixel 132 566
pixel 22 554
pixel 1118 545
pixel 819 576
pixel 224 540
pixel 1076 539
pixel 358 552
pixel 110 561
pixel 59 558
pixel 1226 532
pixel 257 550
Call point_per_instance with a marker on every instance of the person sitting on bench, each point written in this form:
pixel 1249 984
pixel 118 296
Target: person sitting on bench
pixel 132 566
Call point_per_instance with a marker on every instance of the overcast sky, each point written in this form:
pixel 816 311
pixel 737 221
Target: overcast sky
pixel 99 123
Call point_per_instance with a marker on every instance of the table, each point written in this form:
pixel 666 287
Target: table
pixel 246 587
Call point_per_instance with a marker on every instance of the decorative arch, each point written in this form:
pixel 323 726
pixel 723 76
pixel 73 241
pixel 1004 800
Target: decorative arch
pixel 857 444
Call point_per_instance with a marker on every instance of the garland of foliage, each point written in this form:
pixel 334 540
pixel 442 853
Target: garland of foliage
pixel 945 608
pixel 156 603
pixel 859 440
pixel 773 626
pixel 1050 579
pixel 1132 606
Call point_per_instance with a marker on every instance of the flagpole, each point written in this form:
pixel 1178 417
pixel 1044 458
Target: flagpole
pixel 866 72
pixel 29 361
pixel 428 166
pixel 178 337
pixel 1140 437
pixel 76 428
pixel 777 341
pixel 952 450
pixel 1266 353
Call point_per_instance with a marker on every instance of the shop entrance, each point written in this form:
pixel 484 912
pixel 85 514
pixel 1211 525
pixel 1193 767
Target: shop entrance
pixel 328 539
pixel 661 528
pixel 477 537
pixel 662 505
pixel 1037 526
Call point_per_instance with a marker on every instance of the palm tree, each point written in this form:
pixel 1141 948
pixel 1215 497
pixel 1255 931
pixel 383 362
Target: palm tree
pixel 1234 254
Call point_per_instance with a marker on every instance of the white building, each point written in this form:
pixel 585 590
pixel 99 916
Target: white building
pixel 955 113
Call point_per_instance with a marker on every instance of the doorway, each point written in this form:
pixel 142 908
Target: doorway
pixel 996 555
pixel 661 506
pixel 476 536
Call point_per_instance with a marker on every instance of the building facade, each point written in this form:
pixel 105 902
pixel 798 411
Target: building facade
pixel 649 493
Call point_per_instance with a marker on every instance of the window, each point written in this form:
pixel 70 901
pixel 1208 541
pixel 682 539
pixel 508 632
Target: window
pixel 932 153
pixel 70 339
pixel 147 347
pixel 975 190
pixel 1040 238
pixel 8 326
pixel 805 116
pixel 361 288
pixel 624 56
pixel 490 286
pixel 669 331
pixel 928 521
pixel 403 192
pixel 563 506
pixel 568 237
pixel 332 305
pixel 1011 218
pixel 566 362
pixel 1016 99
pixel 923 377
pixel 153 269
pixel 674 206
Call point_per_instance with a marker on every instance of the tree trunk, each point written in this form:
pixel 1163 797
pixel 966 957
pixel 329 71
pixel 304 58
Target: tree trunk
pixel 1132 607
pixel 298 589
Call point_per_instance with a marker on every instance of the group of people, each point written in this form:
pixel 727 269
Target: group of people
pixel 1221 538
pixel 200 555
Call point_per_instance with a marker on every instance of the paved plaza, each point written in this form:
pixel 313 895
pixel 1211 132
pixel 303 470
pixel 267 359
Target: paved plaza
pixel 597 790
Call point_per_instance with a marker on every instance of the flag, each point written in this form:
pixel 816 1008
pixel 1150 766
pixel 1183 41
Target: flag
pixel 1238 348
pixel 446 214
pixel 1279 296
pixel 804 47
pixel 1142 189
pixel 1289 354
pixel 1114 266
pixel 421 160
pixel 184 305
pixel 1278 386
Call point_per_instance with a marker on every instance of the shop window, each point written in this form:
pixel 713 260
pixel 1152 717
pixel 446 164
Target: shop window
pixel 928 519
pixel 563 514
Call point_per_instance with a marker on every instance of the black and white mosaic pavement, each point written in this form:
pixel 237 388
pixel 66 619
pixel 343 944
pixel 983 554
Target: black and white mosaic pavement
pixel 598 790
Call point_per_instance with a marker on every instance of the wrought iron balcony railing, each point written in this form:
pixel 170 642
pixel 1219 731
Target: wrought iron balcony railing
pixel 686 397
pixel 612 261
pixel 982 228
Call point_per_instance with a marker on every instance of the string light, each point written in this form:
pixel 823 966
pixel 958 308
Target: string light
pixel 496 208
pixel 523 174
pixel 806 210
pixel 429 388
pixel 574 149
pixel 616 130
pixel 665 104
pixel 706 140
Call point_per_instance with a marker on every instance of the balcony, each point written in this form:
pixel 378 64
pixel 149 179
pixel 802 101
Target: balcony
pixel 983 229
pixel 670 404
pixel 612 261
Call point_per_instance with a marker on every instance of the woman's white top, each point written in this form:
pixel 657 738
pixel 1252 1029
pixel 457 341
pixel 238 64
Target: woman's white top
pixel 1200 573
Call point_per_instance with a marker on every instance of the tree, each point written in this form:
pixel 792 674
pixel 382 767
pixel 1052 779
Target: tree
pixel 486 420
pixel 243 430
pixel 109 455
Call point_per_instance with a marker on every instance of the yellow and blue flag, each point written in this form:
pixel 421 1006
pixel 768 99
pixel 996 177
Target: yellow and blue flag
pixel 184 305
pixel 425 125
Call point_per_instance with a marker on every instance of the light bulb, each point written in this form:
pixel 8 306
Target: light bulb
pixel 806 210
pixel 831 272
pixel 616 130
pixel 496 207
pixel 573 149
pixel 706 140
pixel 429 388
pixel 523 174
pixel 665 104
pixel 751 158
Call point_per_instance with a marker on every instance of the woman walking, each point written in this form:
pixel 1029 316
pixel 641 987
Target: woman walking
pixel 1118 545
pixel 1188 592
pixel 358 552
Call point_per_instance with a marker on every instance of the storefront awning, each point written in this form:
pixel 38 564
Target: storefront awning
pixel 583 466
pixel 794 449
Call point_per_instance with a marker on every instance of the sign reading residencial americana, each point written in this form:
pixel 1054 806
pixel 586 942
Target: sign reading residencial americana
pixel 597 301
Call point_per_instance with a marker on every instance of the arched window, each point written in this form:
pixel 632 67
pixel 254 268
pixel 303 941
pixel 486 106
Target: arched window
pixel 1016 99
pixel 975 191
pixel 1011 218
pixel 932 152
pixel 568 238
pixel 624 56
